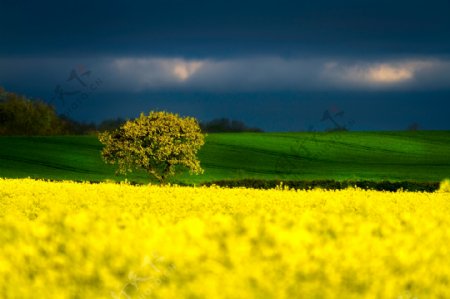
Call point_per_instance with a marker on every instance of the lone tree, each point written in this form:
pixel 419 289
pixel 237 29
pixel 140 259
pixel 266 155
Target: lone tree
pixel 161 143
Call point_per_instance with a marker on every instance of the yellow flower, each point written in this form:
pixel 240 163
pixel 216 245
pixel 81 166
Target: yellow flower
pixel 81 240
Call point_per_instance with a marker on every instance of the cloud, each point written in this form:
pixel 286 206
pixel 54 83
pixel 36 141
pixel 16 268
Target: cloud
pixel 276 73
pixel 150 73
pixel 387 74
pixel 183 70
pixel 269 73
pixel 382 75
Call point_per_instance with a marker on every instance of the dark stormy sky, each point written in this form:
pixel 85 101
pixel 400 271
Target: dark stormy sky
pixel 278 65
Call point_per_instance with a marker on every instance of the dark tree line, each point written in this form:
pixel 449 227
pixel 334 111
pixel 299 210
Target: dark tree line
pixel 20 115
pixel 213 126
pixel 226 125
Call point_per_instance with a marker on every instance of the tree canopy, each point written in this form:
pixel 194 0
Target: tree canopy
pixel 22 116
pixel 161 143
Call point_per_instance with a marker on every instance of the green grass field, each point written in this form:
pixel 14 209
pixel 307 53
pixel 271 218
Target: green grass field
pixel 417 156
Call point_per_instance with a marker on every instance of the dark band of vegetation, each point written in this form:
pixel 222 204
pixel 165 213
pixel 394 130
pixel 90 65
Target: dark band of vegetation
pixel 329 185
pixel 20 115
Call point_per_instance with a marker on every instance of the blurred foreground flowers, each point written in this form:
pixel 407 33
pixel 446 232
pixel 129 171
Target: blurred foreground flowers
pixel 74 240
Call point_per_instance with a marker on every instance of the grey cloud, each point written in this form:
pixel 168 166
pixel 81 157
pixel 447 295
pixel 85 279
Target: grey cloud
pixel 275 73
pixel 269 73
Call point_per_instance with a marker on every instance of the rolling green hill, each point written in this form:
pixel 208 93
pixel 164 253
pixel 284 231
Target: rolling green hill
pixel 418 156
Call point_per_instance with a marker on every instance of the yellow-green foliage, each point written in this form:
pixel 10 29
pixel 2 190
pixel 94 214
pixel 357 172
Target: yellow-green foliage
pixel 159 143
pixel 445 186
pixel 72 240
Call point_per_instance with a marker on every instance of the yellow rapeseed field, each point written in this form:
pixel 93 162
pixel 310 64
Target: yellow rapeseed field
pixel 80 240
